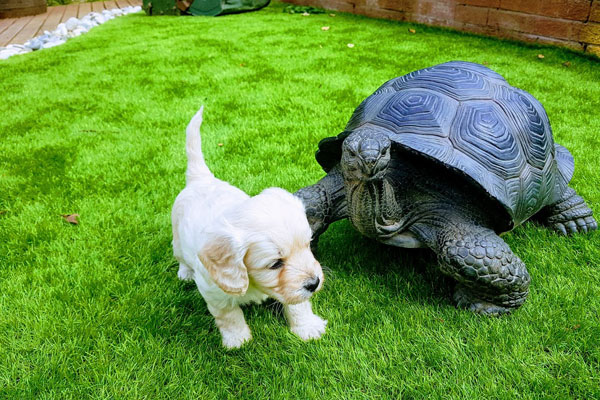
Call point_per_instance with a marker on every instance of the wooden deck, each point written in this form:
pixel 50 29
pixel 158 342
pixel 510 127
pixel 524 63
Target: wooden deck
pixel 20 30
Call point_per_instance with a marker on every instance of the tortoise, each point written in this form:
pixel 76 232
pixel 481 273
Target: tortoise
pixel 448 158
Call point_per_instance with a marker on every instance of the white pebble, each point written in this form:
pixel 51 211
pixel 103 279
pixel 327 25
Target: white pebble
pixel 60 31
pixel 15 46
pixel 86 25
pixel 5 53
pixel 34 44
pixel 72 23
pixel 53 43
pixel 79 31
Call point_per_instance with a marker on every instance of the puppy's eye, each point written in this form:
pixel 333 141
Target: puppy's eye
pixel 278 264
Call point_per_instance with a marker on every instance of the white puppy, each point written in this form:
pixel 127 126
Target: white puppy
pixel 241 249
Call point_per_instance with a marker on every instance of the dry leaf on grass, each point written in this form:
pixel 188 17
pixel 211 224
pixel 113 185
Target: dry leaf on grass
pixel 71 218
pixel 412 30
pixel 332 15
pixel 567 63
pixel 540 56
pixel 220 144
pixel 324 28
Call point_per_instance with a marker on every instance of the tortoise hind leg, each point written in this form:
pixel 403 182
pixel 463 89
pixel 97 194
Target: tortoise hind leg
pixel 568 215
pixel 491 279
pixel 325 203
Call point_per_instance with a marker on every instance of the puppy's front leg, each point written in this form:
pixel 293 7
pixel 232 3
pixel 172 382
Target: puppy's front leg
pixel 303 322
pixel 233 327
pixel 185 273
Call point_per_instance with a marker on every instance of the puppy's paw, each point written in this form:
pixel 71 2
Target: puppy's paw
pixel 185 273
pixel 235 339
pixel 311 328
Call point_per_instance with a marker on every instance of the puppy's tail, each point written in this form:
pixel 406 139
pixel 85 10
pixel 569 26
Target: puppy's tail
pixel 196 167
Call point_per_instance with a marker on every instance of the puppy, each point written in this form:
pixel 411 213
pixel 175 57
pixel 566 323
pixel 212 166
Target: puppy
pixel 241 249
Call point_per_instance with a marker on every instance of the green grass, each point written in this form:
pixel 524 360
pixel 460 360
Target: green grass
pixel 96 127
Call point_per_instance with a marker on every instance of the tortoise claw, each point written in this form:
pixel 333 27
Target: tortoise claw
pixel 571 226
pixel 560 228
pixel 581 225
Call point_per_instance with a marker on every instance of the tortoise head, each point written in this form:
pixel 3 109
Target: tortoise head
pixel 365 155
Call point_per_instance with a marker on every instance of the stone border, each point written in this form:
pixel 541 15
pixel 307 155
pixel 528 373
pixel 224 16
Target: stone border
pixel 64 31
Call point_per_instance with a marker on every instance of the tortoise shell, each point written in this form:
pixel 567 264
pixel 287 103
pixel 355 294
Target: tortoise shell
pixel 466 117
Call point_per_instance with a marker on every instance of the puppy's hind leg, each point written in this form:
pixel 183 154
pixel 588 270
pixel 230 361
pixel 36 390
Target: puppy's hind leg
pixel 232 325
pixel 303 322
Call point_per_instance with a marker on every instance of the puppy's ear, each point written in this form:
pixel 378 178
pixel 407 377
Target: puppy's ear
pixel 223 257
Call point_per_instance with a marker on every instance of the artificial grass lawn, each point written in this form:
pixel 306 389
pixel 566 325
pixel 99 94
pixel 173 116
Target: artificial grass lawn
pixel 96 127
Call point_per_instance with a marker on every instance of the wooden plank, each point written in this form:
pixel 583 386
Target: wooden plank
pixel 127 3
pixel 135 2
pixel 29 31
pixel 71 11
pixel 7 36
pixel 98 6
pixel 5 23
pixel 54 17
pixel 84 9
pixel 109 5
pixel 120 3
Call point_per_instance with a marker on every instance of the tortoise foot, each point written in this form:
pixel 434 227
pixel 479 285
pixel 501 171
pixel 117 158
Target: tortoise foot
pixel 569 215
pixel 468 300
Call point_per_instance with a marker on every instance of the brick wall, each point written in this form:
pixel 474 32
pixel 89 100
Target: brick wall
pixel 570 23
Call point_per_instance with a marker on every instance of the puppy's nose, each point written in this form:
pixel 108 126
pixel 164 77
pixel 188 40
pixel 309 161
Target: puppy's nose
pixel 312 285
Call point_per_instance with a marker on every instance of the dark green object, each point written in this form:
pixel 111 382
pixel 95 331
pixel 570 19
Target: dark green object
pixel 202 7
pixel 219 7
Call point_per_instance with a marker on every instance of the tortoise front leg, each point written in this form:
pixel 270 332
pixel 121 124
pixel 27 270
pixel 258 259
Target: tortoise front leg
pixel 491 279
pixel 325 203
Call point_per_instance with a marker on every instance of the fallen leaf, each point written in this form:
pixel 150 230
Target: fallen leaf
pixel 242 65
pixel 576 326
pixel 351 45
pixel 71 218
pixel 324 28
pixel 485 63
pixel 332 15
pixel 305 14
pixel 412 30
pixel 540 56
pixel 3 212
pixel 567 63
pixel 220 144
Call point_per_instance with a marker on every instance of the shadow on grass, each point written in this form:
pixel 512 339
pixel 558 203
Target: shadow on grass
pixel 411 274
